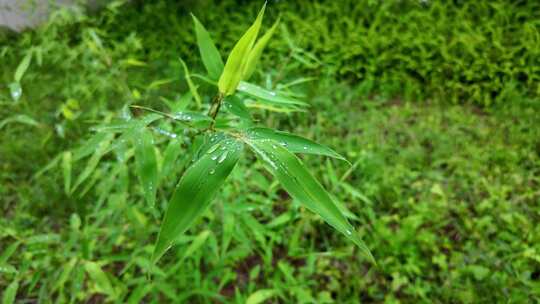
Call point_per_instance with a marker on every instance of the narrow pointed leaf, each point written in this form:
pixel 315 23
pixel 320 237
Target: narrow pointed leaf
pixel 66 169
pixel 23 66
pixel 10 293
pixel 21 118
pixel 233 70
pixel 256 52
pixel 191 85
pixel 170 157
pixel 236 107
pixel 266 95
pixel 195 191
pixel 301 185
pixel 209 53
pixel 100 149
pixel 293 143
pixel 146 165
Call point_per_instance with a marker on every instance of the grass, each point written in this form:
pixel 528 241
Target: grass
pixel 445 196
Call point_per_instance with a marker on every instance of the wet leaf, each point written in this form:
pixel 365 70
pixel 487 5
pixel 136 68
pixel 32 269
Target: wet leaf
pixel 195 191
pixel 146 164
pixel 293 143
pixel 300 184
pixel 271 97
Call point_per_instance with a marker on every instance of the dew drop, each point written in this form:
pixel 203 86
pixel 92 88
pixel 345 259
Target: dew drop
pixel 213 148
pixel 212 171
pixel 273 93
pixel 348 232
pixel 214 157
pixel 305 148
pixel 222 157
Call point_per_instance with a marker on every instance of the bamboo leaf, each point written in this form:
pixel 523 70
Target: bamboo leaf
pixel 170 157
pixel 101 148
pixel 191 85
pixel 10 293
pixel 301 185
pixel 209 53
pixel 195 191
pixel 256 52
pixel 268 96
pixel 23 66
pixel 66 169
pixel 236 107
pixel 146 164
pixel 293 143
pixel 234 67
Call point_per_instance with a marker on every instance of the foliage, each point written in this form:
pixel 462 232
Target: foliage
pixel 444 195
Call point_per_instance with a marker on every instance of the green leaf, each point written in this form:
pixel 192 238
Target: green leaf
pixel 20 118
pixel 100 149
pixel 195 191
pixel 23 66
pixel 266 95
pixel 196 244
pixel 260 296
pixel 301 185
pixel 256 52
pixel 102 282
pixel 169 158
pixel 191 85
pixel 209 53
pixel 66 169
pixel 233 71
pixel 146 164
pixel 10 292
pixel 293 143
pixel 236 107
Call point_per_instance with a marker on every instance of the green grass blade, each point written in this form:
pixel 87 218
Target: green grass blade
pixel 23 66
pixel 195 191
pixel 66 169
pixel 209 53
pixel 268 96
pixel 191 85
pixel 233 71
pixel 10 293
pixel 293 143
pixel 256 52
pixel 146 164
pixel 301 185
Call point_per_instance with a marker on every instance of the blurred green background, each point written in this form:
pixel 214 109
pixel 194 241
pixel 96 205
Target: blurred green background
pixel 435 103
